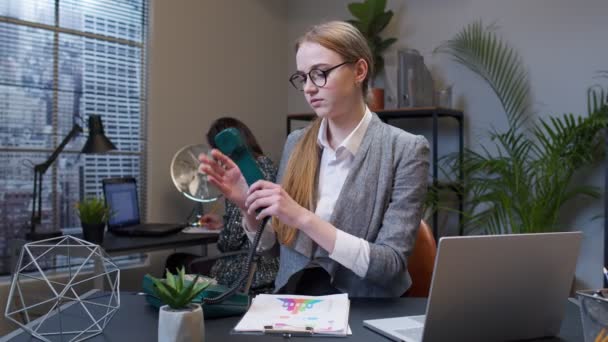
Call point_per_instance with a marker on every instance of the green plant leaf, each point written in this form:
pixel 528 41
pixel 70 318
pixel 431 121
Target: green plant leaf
pixel 479 48
pixel 385 44
pixel 359 11
pixel 93 211
pixel 521 184
pixel 170 279
pixel 376 7
pixel 372 19
pixel 176 291
pixel 358 25
pixel 379 22
pixel 179 279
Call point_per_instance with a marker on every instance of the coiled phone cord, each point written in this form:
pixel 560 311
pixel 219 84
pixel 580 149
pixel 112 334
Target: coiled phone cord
pixel 245 271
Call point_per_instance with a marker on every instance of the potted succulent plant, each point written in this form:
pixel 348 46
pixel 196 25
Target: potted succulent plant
pixel 94 214
pixel 371 19
pixel 179 320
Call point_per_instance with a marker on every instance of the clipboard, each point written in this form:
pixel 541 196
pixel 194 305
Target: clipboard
pixel 288 333
pixel 292 315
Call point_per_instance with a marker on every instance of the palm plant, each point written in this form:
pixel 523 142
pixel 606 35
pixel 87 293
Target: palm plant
pixel 521 186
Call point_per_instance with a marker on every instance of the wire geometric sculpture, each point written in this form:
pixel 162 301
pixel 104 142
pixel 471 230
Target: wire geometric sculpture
pixel 61 307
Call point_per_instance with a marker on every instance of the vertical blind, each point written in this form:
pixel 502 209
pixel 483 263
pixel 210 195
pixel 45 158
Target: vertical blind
pixel 61 61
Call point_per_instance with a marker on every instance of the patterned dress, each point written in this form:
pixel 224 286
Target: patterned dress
pixel 233 238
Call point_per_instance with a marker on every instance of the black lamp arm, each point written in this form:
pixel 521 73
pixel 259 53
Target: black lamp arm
pixel 40 170
pixel 42 167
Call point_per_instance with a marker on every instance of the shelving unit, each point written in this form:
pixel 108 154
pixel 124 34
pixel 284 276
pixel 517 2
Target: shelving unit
pixel 433 113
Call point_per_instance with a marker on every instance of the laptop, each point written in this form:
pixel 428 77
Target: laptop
pixel 493 288
pixel 121 196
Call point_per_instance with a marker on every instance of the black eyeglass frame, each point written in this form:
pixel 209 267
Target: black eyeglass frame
pixel 325 73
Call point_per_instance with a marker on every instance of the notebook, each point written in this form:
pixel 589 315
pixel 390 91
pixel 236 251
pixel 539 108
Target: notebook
pixel 493 288
pixel 121 196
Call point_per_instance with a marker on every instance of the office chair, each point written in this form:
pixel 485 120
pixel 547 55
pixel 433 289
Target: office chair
pixel 421 262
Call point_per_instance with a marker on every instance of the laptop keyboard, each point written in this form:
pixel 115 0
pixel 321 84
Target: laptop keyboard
pixel 414 334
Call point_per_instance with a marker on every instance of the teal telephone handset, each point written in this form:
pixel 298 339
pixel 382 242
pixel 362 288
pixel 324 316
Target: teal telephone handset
pixel 218 300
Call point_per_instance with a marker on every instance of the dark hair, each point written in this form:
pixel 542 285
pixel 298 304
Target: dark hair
pixel 227 122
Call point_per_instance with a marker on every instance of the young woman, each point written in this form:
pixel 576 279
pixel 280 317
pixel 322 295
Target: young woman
pixel 348 206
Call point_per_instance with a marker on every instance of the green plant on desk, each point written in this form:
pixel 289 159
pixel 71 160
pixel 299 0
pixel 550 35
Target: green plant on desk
pixel 93 211
pixel 176 291
pixel 180 319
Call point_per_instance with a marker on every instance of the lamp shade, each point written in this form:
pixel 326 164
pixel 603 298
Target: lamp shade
pixel 97 142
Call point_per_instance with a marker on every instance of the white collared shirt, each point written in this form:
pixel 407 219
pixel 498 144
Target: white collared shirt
pixel 350 251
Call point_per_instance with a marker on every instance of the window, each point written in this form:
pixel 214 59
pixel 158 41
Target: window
pixel 61 61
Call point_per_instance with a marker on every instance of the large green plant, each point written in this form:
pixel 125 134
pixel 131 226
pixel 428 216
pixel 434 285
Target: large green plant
pixel 371 19
pixel 520 184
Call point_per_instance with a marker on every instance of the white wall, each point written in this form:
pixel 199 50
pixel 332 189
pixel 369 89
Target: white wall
pixel 562 43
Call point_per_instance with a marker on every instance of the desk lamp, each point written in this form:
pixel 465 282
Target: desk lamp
pixel 97 142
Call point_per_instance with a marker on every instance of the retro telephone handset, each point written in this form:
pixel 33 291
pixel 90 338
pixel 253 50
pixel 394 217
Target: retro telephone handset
pixel 231 143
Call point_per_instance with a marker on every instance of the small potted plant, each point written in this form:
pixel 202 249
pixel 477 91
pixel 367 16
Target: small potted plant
pixel 371 19
pixel 94 214
pixel 179 319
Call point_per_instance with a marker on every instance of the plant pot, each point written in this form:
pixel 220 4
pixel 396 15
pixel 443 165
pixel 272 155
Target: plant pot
pixel 377 100
pixel 181 325
pixel 93 232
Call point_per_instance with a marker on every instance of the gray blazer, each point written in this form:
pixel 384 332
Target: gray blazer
pixel 381 202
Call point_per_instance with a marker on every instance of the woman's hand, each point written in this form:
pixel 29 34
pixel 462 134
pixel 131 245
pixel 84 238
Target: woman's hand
pixel 211 221
pixel 274 201
pixel 226 176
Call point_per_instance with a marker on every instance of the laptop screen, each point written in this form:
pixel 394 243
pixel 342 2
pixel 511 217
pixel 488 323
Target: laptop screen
pixel 121 197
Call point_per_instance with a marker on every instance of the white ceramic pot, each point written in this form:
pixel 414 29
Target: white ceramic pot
pixel 181 325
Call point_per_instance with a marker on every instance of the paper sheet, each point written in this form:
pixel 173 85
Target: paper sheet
pixel 200 230
pixel 325 314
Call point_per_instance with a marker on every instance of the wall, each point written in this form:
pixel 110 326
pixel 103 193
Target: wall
pixel 562 43
pixel 211 59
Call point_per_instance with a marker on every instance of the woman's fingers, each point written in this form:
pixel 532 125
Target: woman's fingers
pixel 261 203
pixel 261 184
pixel 210 221
pixel 218 184
pixel 210 165
pixel 259 194
pixel 225 160
pixel 265 213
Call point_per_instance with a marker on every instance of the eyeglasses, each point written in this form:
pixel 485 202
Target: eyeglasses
pixel 317 76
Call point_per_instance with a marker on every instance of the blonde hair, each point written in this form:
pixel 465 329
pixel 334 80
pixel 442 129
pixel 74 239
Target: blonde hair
pixel 300 176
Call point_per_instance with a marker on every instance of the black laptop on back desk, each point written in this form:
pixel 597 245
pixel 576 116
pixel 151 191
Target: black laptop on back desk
pixel 121 196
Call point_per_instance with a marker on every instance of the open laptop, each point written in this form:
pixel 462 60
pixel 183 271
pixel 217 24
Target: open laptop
pixel 121 196
pixel 493 288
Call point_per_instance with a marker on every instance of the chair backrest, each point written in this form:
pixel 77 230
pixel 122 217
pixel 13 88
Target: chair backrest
pixel 421 262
